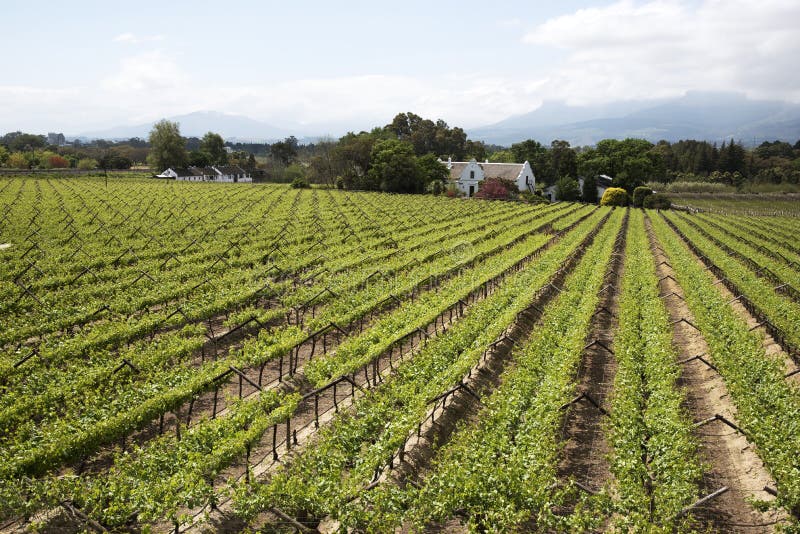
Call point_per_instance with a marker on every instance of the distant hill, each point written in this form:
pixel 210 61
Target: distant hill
pixel 697 115
pixel 231 127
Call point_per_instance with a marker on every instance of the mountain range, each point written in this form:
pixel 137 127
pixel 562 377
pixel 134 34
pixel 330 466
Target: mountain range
pixel 696 115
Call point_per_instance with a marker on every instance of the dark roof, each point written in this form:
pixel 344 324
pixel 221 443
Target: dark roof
pixel 181 172
pixel 198 171
pixel 603 180
pixel 456 169
pixel 506 171
pixel 230 169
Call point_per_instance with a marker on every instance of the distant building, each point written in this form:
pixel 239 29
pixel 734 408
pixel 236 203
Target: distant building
pixel 231 173
pixel 214 173
pixel 176 173
pixel 467 175
pixel 56 139
pixel 603 183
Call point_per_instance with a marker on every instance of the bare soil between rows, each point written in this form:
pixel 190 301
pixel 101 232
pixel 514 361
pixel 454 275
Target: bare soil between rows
pixel 732 461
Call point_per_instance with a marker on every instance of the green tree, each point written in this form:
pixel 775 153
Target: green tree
pixel 591 163
pixel 567 189
pixel 431 169
pixel 394 168
pixel 429 137
pixel 199 158
pixel 589 193
pixel 284 151
pixel 324 166
pixel 537 155
pixel 663 150
pixel 635 172
pixel 19 141
pixel 502 156
pixel 112 160
pixel 352 157
pixel 773 149
pixel 639 196
pixel 564 160
pixel 3 155
pixel 167 147
pixel 295 172
pixel 213 145
pixel 17 160
pixel 736 160
pixel 722 162
pixel 476 149
pixel 251 162
pixel 87 164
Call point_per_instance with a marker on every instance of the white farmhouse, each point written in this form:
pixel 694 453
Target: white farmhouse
pixel 467 175
pixel 214 173
pixel 231 173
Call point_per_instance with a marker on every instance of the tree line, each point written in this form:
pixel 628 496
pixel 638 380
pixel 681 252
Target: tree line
pixel 402 156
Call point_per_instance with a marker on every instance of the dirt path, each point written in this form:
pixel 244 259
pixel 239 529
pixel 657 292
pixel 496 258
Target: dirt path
pixel 586 450
pixel 731 459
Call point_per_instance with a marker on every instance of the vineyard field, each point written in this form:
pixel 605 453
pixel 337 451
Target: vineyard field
pixel 202 357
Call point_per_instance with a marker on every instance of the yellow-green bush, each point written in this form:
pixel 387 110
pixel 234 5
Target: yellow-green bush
pixel 614 196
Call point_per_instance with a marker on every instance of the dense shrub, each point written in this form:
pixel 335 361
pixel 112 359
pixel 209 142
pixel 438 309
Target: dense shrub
pixel 300 183
pixel 533 198
pixel 568 189
pixel 453 191
pixel 639 194
pixel 87 164
pixel 614 196
pixel 436 187
pixel 17 160
pixel 657 201
pixel 57 162
pixel 115 162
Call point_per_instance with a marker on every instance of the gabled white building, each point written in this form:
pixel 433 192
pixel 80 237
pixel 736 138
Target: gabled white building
pixel 215 173
pixel 467 175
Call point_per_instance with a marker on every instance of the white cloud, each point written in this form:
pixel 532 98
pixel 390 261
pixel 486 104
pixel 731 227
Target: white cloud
pixel 665 47
pixel 132 38
pixel 149 72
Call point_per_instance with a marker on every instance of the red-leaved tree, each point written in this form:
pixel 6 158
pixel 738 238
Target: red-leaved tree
pixel 57 162
pixel 494 188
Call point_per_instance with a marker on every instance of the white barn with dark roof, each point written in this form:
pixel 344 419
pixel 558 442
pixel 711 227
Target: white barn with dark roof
pixel 467 175
pixel 214 173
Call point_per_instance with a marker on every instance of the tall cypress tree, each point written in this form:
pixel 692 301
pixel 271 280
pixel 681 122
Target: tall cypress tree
pixel 723 162
pixel 589 193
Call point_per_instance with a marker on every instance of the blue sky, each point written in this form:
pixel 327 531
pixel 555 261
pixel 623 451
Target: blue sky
pixel 82 65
